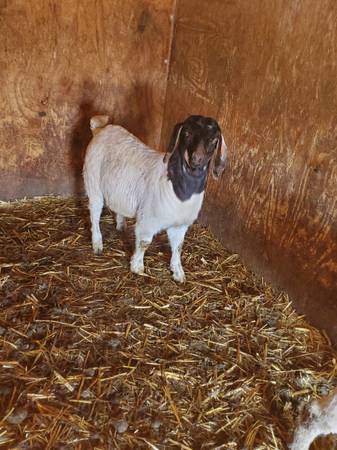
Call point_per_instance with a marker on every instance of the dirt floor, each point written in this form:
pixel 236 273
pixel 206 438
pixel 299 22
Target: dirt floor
pixel 94 357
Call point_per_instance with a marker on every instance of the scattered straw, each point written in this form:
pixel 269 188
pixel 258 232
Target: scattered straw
pixel 93 356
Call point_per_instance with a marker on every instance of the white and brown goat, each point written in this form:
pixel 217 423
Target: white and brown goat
pixel 162 193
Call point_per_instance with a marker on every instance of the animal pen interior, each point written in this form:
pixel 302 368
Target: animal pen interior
pixel 93 356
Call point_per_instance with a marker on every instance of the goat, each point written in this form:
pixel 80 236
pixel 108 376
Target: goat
pixel 135 181
pixel 322 421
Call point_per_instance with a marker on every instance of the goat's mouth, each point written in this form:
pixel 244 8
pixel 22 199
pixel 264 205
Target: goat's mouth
pixel 194 169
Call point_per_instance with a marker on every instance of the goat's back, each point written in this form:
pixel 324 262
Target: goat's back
pixel 121 168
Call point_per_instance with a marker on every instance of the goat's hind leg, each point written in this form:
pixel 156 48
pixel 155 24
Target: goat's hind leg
pixel 120 222
pixel 95 208
pixel 143 240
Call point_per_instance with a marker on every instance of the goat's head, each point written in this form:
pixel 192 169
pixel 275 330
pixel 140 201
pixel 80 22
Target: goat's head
pixel 200 142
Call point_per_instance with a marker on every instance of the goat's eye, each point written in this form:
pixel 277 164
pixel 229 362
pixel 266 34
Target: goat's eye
pixel 212 145
pixel 188 137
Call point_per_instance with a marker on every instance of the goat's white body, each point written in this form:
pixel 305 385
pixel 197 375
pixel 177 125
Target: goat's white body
pixel 323 421
pixel 132 180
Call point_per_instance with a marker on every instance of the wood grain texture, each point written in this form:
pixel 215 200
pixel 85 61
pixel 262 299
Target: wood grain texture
pixel 62 61
pixel 266 70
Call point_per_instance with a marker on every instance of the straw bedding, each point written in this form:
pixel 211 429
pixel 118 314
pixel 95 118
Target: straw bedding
pixel 93 356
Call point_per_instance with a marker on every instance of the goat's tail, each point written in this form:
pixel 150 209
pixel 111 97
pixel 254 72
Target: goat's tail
pixel 97 123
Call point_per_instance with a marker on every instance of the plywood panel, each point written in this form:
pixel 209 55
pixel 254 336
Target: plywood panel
pixel 62 61
pixel 267 70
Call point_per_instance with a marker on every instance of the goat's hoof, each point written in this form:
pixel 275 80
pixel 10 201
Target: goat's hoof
pixel 98 248
pixel 179 277
pixel 178 273
pixel 137 268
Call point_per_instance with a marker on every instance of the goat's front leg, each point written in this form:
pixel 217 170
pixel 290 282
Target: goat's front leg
pixel 143 240
pixel 176 237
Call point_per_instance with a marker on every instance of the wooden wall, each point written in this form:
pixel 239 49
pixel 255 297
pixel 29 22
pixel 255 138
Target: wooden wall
pixel 267 69
pixel 62 61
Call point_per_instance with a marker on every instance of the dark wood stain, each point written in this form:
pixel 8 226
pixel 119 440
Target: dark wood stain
pixel 267 71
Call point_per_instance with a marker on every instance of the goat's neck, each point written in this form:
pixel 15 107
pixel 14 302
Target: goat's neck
pixel 185 182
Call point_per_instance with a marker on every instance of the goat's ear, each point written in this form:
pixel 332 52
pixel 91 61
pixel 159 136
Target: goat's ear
pixel 219 159
pixel 174 141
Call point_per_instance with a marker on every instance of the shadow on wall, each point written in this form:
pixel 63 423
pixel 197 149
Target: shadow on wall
pixel 80 138
pixel 131 109
pixel 137 114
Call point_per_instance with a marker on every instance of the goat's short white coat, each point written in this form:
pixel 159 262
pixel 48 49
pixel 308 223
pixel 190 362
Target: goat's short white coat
pixel 132 180
pixel 323 421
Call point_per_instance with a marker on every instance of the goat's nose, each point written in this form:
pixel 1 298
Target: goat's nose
pixel 197 159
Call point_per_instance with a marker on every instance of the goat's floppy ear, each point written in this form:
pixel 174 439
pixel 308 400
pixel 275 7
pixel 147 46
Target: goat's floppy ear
pixel 220 158
pixel 175 136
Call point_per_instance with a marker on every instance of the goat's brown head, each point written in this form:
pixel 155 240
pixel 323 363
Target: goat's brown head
pixel 200 144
